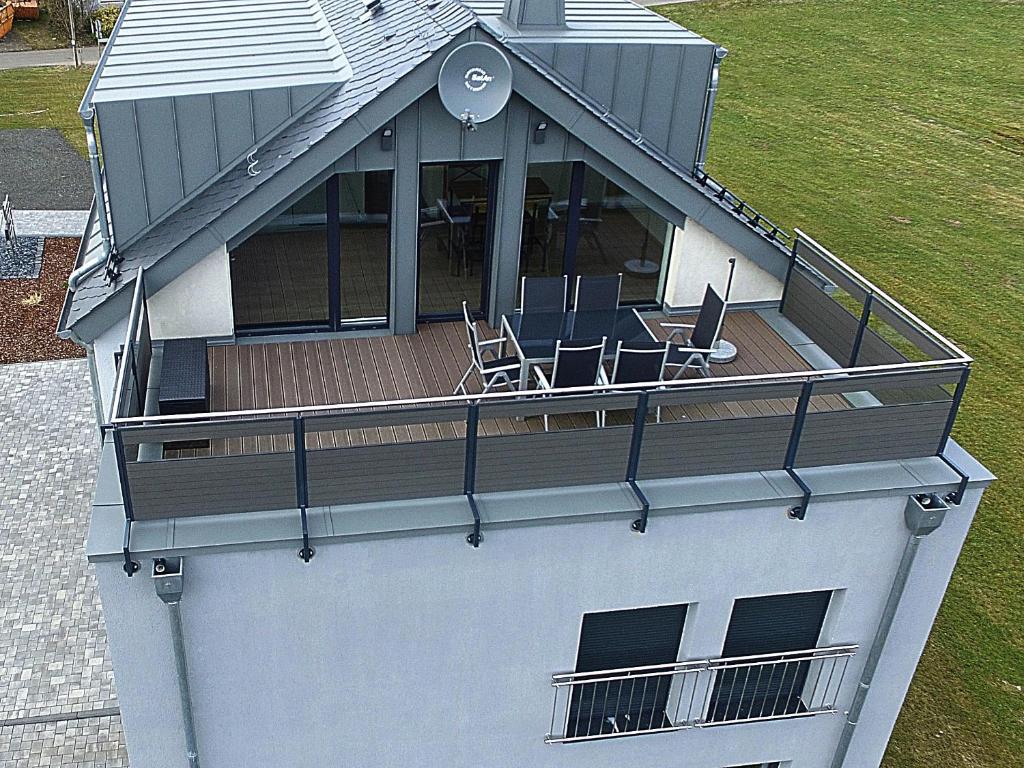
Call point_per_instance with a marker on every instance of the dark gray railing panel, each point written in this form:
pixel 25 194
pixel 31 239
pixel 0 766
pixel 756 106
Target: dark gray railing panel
pixel 831 326
pixel 538 406
pixel 212 485
pixel 810 256
pixel 385 472
pixel 385 418
pixel 549 459
pixel 725 393
pixel 688 448
pixel 872 434
pixel 212 430
pixel 911 380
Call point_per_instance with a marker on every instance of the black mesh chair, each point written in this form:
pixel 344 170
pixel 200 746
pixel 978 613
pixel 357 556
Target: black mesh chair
pixel 698 346
pixel 577 364
pixel 596 294
pixel 637 362
pixel 485 359
pixel 544 294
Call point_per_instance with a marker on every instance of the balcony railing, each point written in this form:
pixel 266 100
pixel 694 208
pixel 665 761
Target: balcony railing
pixel 697 694
pixel 893 394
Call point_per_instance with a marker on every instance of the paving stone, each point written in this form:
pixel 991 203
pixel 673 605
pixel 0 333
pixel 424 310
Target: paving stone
pixel 55 659
pixel 51 223
pixel 96 742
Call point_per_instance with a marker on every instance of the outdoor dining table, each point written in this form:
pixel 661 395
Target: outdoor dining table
pixel 532 337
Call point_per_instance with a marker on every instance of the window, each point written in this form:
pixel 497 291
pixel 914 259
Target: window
pixel 764 626
pixel 622 640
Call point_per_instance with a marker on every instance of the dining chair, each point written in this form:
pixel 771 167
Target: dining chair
pixel 485 359
pixel 577 364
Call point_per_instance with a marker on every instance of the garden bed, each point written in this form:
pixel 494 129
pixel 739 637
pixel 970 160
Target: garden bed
pixel 30 308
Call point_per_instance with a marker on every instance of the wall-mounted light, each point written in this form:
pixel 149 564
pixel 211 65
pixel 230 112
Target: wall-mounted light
pixel 387 139
pixel 540 133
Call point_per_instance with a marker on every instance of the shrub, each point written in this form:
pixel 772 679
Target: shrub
pixel 107 15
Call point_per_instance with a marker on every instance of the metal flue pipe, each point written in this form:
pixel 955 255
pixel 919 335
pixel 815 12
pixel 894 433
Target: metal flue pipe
pixel 709 107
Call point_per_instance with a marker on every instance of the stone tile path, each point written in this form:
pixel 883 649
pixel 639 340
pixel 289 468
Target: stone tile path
pixel 51 223
pixel 58 706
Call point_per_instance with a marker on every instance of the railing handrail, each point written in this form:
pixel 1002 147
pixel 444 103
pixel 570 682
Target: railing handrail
pixel 130 337
pixel 675 667
pixel 879 295
pixel 517 396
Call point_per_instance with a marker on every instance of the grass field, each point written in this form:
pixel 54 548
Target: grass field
pixel 893 132
pixel 45 97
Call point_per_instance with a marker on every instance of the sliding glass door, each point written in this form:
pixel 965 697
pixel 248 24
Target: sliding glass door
pixel 578 222
pixel 323 264
pixel 455 235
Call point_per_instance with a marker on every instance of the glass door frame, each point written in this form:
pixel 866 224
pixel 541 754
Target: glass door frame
pixel 574 212
pixel 334 322
pixel 478 313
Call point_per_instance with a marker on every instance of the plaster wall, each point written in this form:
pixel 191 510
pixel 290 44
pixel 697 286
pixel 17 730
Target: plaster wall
pixel 196 303
pixel 699 257
pixel 420 650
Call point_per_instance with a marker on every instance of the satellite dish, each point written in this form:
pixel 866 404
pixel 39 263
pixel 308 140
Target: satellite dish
pixel 475 83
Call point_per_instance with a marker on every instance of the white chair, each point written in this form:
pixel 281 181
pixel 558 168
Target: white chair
pixel 485 359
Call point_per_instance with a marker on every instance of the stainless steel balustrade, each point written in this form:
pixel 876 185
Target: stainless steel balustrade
pixel 697 694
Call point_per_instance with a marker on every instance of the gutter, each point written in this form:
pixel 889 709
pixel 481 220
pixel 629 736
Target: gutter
pixel 88 114
pixel 923 514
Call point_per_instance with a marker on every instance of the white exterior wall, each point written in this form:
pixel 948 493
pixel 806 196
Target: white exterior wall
pixel 422 651
pixel 196 303
pixel 699 258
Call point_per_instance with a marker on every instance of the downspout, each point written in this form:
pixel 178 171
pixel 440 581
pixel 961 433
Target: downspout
pixel 924 513
pixel 709 107
pixel 88 115
pixel 169 580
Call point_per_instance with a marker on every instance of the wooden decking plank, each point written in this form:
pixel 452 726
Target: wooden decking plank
pixel 400 365
pixel 247 391
pixel 261 393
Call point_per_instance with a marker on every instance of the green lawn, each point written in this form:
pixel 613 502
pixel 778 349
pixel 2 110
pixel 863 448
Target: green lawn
pixel 46 97
pixel 893 132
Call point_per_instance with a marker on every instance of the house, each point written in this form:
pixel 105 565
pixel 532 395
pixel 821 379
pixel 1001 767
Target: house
pixel 314 543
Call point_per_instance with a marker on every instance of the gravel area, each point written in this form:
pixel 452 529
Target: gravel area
pixel 41 171
pixel 58 706
pixel 22 258
pixel 30 308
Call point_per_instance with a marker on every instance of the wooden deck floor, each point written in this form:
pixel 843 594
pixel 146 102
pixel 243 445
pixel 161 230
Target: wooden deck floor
pixel 430 364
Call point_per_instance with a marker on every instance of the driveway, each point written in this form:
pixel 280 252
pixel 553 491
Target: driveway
pixel 57 701
pixel 41 171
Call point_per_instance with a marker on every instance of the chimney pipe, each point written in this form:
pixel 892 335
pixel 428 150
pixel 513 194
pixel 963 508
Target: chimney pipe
pixel 535 15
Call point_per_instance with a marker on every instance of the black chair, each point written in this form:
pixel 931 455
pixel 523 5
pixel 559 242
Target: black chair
pixel 577 364
pixel 544 294
pixel 637 362
pixel 697 348
pixel 492 368
pixel 595 294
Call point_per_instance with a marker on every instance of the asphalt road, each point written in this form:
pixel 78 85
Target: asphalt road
pixel 59 57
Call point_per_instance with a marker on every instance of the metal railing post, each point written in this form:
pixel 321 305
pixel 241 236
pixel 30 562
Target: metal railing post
pixel 865 316
pixel 469 474
pixel 794 446
pixel 301 487
pixel 632 466
pixel 130 566
pixel 789 272
pixel 954 407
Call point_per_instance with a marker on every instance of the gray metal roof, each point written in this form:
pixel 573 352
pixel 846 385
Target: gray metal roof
pixel 183 47
pixel 381 49
pixel 596 20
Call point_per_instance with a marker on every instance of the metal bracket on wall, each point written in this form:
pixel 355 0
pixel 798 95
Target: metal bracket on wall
pixel 307 552
pixel 798 512
pixel 475 537
pixel 130 566
pixel 640 524
pixel 956 497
